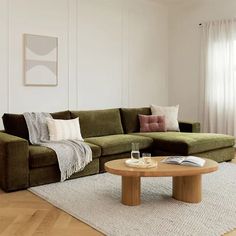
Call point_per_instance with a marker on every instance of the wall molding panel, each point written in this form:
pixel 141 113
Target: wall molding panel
pixel 107 54
pixel 4 57
pixel 72 55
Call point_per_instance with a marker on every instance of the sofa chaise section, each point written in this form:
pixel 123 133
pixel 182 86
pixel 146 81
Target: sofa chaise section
pixel 218 147
pixel 188 141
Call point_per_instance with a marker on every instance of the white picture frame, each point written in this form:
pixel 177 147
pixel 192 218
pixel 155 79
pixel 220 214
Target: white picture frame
pixel 40 60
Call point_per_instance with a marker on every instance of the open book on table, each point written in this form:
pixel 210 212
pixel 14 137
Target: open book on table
pixel 185 160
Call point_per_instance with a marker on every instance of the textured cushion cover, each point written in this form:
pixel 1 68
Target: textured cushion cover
pixel 42 156
pixel 190 127
pixel 171 116
pixel 96 123
pixel 15 123
pixel 14 167
pixel 152 123
pixel 63 115
pixel 189 143
pixel 114 144
pixel 130 119
pixel 64 129
pixel 50 174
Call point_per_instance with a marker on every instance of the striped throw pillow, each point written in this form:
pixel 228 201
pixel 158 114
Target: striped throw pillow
pixel 64 129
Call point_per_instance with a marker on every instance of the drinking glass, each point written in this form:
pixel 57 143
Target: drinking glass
pixel 146 158
pixel 135 154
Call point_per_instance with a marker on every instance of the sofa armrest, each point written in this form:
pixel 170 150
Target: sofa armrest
pixel 192 127
pixel 14 166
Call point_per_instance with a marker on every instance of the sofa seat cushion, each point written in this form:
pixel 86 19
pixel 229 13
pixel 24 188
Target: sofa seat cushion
pixel 120 143
pixel 42 156
pixel 188 143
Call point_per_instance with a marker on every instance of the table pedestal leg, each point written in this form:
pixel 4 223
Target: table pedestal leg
pixel 131 191
pixel 187 188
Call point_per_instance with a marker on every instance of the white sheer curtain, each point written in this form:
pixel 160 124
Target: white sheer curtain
pixel 218 77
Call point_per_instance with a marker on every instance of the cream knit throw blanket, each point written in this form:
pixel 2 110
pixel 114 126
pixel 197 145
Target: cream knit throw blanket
pixel 72 155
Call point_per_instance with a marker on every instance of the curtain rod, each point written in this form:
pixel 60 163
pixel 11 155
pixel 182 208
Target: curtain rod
pixel 201 23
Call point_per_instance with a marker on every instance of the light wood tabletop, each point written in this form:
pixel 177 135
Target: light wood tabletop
pixel 118 167
pixel 186 179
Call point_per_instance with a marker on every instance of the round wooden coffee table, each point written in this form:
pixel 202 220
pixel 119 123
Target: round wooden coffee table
pixel 186 184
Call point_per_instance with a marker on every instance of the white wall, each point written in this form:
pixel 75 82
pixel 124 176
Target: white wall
pixel 112 53
pixel 35 17
pixel 184 50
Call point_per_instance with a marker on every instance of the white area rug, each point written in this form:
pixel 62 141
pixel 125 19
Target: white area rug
pixel 96 201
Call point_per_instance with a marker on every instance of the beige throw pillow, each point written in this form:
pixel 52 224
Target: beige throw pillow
pixel 171 115
pixel 64 129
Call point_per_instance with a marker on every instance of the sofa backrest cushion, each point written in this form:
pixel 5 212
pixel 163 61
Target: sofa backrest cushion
pixel 130 120
pixel 96 123
pixel 15 123
pixel 62 115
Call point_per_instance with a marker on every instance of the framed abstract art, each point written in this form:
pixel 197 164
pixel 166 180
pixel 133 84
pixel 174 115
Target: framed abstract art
pixel 40 60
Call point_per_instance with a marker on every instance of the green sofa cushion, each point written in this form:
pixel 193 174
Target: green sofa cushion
pixel 129 117
pixel 15 124
pixel 96 123
pixel 188 143
pixel 115 144
pixel 62 115
pixel 51 174
pixel 42 156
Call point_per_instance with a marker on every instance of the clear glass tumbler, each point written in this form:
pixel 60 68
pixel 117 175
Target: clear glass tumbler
pixel 147 157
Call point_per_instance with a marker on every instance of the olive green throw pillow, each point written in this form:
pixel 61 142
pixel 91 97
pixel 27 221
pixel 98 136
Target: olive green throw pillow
pixel 130 118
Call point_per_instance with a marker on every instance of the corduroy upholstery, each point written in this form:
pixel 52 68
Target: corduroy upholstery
pixel 23 165
pixel 114 144
pixel 99 122
pixel 15 123
pixel 42 156
pixel 51 174
pixel 14 163
pixel 188 143
pixel 130 120
pixel 192 127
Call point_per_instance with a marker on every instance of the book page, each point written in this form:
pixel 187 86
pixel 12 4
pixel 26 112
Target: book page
pixel 196 161
pixel 174 159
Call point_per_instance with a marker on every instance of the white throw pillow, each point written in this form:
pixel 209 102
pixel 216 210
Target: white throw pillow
pixel 64 129
pixel 171 116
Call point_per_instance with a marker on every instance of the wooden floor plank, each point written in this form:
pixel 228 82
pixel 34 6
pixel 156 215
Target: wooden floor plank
pixel 33 223
pixel 6 221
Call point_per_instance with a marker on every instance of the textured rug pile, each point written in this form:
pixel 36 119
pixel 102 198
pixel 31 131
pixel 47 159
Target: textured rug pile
pixel 95 200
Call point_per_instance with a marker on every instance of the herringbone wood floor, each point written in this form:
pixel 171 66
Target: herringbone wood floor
pixel 22 213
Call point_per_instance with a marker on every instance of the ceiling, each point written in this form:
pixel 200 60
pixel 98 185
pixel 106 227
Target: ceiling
pixel 174 2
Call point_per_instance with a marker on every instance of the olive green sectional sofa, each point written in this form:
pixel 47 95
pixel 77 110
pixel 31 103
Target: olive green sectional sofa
pixel 109 133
